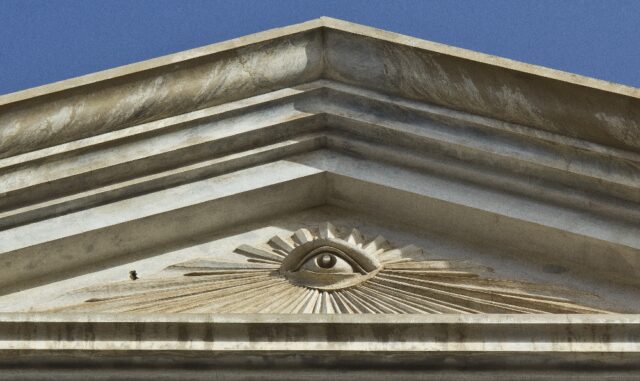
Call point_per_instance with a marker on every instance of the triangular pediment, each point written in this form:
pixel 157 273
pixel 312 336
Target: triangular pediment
pixel 321 169
pixel 268 268
pixel 165 269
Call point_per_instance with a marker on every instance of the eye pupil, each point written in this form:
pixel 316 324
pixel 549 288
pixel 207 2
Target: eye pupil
pixel 326 261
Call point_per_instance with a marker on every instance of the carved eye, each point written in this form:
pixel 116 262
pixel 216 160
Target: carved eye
pixel 327 262
pixel 328 265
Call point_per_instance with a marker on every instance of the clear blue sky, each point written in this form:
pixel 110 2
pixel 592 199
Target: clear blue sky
pixel 46 41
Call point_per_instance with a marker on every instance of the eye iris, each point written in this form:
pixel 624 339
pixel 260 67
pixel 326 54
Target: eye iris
pixel 326 261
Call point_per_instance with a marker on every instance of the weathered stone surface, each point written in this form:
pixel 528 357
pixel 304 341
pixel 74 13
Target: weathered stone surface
pixel 325 48
pixel 498 187
pixel 483 86
pixel 180 84
pixel 236 347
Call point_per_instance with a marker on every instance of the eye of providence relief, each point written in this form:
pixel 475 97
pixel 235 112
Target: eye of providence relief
pixel 328 271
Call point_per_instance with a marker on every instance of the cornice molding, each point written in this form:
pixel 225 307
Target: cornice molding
pixel 529 174
pixel 330 127
pixel 342 118
pixel 544 99
pixel 265 332
pixel 74 347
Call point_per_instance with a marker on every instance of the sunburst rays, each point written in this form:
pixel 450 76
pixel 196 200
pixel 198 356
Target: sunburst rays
pixel 406 283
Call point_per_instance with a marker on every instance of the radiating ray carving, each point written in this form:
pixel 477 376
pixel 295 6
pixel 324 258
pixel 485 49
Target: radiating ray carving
pixel 325 270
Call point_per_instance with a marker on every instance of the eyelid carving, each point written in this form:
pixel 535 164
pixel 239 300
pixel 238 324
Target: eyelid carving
pixel 332 251
pixel 364 263
pixel 303 267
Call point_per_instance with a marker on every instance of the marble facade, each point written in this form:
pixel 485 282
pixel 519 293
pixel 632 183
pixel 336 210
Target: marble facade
pixel 318 201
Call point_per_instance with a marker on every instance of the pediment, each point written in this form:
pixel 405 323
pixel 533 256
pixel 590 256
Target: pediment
pixel 322 269
pixel 271 266
pixel 324 169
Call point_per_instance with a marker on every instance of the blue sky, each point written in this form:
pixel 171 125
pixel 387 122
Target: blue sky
pixel 46 41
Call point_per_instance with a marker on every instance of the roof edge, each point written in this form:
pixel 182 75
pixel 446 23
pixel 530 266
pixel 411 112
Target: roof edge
pixel 153 63
pixel 325 48
pixel 326 22
pixel 485 58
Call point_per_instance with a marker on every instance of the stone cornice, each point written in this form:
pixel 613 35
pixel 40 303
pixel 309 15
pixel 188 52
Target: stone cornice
pixel 545 99
pixel 323 108
pixel 328 127
pixel 308 333
pixel 427 347
pixel 533 171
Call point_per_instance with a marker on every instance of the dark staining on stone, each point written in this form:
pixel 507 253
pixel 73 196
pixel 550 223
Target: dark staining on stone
pixel 95 300
pixel 133 275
